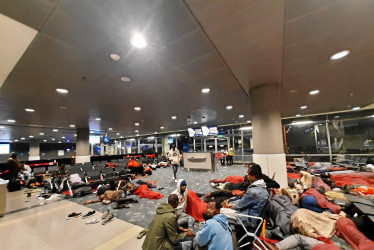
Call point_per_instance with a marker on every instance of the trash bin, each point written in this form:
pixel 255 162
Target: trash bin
pixel 3 190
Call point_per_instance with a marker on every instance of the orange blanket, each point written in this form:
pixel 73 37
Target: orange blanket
pixel 143 192
pixel 195 207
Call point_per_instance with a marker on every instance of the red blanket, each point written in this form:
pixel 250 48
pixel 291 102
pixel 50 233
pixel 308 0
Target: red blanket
pixel 318 182
pixel 361 178
pixel 293 175
pixel 336 168
pixel 321 200
pixel 231 179
pixel 195 207
pixel 346 229
pixel 143 192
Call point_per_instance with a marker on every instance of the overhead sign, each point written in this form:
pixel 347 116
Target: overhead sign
pixel 106 139
pixel 203 131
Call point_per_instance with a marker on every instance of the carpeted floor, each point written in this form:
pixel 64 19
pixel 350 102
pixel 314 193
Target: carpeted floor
pixel 142 213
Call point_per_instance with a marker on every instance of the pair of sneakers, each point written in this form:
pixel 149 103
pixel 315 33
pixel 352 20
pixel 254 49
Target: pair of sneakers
pixel 107 217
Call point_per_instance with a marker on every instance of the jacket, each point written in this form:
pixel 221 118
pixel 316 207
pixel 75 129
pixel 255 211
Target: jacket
pixel 182 198
pixel 216 234
pixel 174 156
pixel 162 233
pixel 253 200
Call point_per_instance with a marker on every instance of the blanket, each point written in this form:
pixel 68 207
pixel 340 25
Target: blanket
pixel 195 207
pixel 322 201
pixel 360 178
pixel 143 192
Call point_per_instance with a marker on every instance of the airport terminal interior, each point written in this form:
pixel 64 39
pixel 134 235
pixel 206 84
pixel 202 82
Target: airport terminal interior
pixel 186 124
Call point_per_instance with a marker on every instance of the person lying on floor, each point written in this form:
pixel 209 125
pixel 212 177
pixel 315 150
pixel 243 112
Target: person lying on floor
pixel 216 232
pixel 254 198
pixel 162 232
pixel 314 199
pixel 301 242
pixel 225 194
pixel 118 196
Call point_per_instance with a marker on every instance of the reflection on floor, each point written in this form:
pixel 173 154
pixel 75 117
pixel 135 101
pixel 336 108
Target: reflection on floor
pixel 46 227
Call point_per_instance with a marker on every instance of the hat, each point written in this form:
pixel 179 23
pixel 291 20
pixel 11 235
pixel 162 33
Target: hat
pixel 183 183
pixel 255 171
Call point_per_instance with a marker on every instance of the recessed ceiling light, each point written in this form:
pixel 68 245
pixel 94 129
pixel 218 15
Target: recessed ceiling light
pixel 174 117
pixel 229 107
pixel 110 129
pixel 337 116
pixel 54 130
pixel 138 41
pixel 136 124
pixel 16 140
pixel 194 122
pixel 44 140
pixel 340 54
pixel 303 107
pixel 137 108
pixel 293 91
pixel 62 91
pixel 53 139
pixel 63 107
pixel 155 132
pixel 31 136
pixel 162 127
pixel 137 134
pixel 98 119
pixel 63 137
pixel 241 116
pixel 29 110
pixel 136 131
pixel 59 141
pixel 91 132
pixel 125 79
pixel 298 115
pixel 117 133
pixel 249 121
pixel 2 127
pixel 314 92
pixel 75 135
pixel 72 125
pixel 11 120
pixel 205 90
pixel 115 57
pixel 301 122
pixel 23 138
pixel 41 133
pixel 356 108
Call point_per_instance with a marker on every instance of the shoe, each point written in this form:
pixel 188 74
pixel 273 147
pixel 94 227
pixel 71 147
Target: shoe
pixel 105 215
pixel 93 221
pixel 121 206
pixel 28 194
pixel 89 214
pixel 108 219
pixel 74 215
pixel 141 234
pixel 276 233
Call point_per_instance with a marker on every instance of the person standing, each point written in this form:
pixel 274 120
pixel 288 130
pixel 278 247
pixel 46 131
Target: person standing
pixel 174 157
pixel 13 166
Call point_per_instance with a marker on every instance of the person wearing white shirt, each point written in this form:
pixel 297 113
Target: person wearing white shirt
pixel 174 157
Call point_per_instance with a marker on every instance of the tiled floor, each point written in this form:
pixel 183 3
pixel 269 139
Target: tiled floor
pixel 46 227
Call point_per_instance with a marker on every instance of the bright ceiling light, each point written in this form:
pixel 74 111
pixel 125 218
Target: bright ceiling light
pixel 356 108
pixel 115 57
pixel 121 136
pixel 162 127
pixel 241 116
pixel 16 140
pixel 54 130
pixel 59 141
pixel 174 117
pixel 194 122
pixel 31 136
pixel 205 90
pixel 229 107
pixel 302 122
pixel 98 119
pixel 314 92
pixel 337 116
pixel 117 133
pixel 136 131
pixel 340 54
pixel 2 127
pixel 137 134
pixel 23 138
pixel 246 128
pixel 249 121
pixel 41 133
pixel 136 124
pixel 63 137
pixel 62 91
pixel 29 110
pixel 137 108
pixel 303 107
pixel 72 125
pixel 138 41
pixel 125 79
pixel 11 120
pixel 63 107
pixel 75 134
pixel 44 140
pixel 298 115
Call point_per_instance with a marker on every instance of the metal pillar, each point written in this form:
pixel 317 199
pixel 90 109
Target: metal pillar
pixel 138 145
pixel 194 145
pixel 242 137
pixel 328 137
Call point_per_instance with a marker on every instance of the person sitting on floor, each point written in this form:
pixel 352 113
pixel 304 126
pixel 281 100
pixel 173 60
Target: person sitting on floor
pixel 216 232
pixel 118 196
pixel 270 183
pixel 254 198
pixel 181 192
pixel 162 232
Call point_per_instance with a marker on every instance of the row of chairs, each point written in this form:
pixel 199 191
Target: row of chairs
pixel 355 162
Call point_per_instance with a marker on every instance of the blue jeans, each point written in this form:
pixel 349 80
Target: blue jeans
pixel 175 170
pixel 309 202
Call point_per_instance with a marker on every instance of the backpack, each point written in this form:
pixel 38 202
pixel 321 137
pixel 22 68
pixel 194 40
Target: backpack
pixel 14 185
pixel 82 191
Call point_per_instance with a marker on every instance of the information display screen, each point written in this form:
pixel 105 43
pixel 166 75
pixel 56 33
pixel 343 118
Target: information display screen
pixel 4 149
pixel 203 131
pixel 94 139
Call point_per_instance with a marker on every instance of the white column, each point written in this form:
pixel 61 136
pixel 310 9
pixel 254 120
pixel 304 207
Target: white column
pixel 34 150
pixel 83 146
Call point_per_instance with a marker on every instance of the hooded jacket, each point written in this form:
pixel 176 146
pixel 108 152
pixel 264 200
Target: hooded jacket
pixel 253 200
pixel 162 232
pixel 215 234
pixel 182 198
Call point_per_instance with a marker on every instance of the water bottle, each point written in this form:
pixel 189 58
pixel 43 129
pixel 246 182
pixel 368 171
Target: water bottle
pixel 191 221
